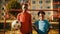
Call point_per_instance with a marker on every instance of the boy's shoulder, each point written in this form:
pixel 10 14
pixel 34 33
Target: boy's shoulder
pixel 43 20
pixel 46 20
pixel 19 14
pixel 37 21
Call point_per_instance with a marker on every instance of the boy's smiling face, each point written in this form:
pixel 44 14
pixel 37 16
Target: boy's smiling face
pixel 41 16
pixel 23 7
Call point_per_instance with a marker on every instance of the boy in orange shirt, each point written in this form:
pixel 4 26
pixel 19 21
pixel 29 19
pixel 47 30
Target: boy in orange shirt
pixel 25 18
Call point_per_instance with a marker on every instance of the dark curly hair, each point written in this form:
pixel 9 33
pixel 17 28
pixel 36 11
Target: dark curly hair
pixel 41 12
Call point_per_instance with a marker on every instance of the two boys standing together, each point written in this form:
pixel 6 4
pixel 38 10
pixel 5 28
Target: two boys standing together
pixel 41 25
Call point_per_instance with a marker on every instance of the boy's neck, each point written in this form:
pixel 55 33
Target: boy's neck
pixel 24 11
pixel 41 19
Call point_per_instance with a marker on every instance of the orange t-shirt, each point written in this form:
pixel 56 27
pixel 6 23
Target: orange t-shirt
pixel 25 19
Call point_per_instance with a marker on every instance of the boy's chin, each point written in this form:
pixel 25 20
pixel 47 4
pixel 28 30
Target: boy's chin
pixel 41 19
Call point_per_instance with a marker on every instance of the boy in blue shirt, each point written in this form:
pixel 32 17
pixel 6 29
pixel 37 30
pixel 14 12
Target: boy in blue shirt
pixel 42 25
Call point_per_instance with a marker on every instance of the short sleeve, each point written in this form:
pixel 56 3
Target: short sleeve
pixel 48 23
pixel 18 17
pixel 36 24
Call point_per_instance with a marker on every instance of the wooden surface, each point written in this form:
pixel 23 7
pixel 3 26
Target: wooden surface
pixel 34 32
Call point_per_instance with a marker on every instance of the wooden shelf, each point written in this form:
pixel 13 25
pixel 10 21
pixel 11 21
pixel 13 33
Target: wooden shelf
pixel 54 22
pixel 54 3
pixel 7 21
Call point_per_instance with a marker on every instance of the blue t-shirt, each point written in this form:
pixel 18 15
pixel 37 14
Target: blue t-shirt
pixel 42 26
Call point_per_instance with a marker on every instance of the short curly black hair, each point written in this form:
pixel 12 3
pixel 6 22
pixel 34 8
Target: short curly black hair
pixel 41 12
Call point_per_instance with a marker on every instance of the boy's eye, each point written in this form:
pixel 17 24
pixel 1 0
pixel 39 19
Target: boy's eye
pixel 41 16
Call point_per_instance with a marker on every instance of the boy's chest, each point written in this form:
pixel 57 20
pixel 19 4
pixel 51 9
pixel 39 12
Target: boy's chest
pixel 42 24
pixel 24 17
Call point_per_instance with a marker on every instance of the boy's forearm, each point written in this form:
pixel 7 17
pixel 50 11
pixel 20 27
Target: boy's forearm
pixel 35 27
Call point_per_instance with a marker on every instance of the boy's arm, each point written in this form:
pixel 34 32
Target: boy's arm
pixel 30 24
pixel 48 29
pixel 18 17
pixel 48 26
pixel 35 26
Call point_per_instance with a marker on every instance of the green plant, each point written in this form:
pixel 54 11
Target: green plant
pixel 13 4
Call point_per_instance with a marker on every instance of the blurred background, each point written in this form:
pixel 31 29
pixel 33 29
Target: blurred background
pixel 10 8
